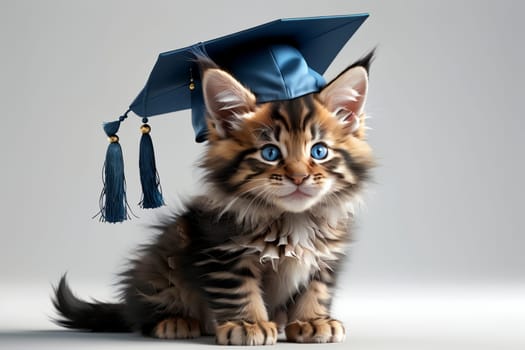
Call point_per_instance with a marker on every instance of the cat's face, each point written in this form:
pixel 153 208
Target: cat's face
pixel 290 155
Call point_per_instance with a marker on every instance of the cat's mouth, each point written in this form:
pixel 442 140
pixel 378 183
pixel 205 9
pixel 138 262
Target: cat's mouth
pixel 296 195
pixel 298 199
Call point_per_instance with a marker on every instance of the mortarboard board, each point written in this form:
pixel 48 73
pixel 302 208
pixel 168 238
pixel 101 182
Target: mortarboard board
pixel 279 60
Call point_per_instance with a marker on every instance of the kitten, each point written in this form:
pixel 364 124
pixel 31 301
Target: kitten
pixel 261 249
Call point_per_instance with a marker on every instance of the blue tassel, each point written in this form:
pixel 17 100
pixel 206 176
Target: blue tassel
pixel 149 177
pixel 113 202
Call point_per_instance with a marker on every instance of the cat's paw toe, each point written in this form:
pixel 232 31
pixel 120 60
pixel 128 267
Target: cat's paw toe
pixel 177 328
pixel 246 333
pixel 322 330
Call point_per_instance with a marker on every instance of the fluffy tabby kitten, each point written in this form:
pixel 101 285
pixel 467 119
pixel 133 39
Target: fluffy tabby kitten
pixel 261 249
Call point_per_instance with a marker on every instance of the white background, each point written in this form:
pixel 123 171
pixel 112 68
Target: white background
pixel 438 261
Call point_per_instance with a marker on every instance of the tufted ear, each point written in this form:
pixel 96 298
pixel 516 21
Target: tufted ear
pixel 345 96
pixel 227 101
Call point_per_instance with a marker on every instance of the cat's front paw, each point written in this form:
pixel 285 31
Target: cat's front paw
pixel 246 333
pixel 177 328
pixel 321 330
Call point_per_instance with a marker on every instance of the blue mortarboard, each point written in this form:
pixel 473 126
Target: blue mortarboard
pixel 279 60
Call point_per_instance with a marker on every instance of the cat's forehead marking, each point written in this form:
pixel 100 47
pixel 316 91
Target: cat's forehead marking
pixel 293 115
pixel 297 112
pixel 293 124
pixel 279 118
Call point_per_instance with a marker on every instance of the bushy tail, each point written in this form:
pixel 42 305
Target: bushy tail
pixel 94 316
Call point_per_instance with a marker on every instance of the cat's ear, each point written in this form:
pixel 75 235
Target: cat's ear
pixel 227 101
pixel 345 97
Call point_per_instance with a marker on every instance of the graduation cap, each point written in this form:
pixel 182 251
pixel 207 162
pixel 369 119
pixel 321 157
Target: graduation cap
pixel 279 60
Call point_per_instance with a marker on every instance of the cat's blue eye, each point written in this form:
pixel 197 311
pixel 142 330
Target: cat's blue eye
pixel 270 153
pixel 319 151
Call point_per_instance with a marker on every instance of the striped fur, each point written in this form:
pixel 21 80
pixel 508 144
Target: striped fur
pixel 260 250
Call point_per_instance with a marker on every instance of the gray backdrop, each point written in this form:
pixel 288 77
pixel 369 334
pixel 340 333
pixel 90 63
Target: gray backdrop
pixel 446 96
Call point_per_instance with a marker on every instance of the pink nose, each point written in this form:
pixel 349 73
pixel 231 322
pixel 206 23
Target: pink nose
pixel 298 178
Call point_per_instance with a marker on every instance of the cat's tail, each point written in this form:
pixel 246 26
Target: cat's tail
pixel 91 316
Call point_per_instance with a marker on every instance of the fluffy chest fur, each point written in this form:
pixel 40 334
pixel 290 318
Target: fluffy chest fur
pixel 311 239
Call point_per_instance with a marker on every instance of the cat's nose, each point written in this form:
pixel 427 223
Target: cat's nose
pixel 298 178
pixel 296 171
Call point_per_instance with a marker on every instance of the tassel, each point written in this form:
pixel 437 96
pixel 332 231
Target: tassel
pixel 149 177
pixel 113 202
